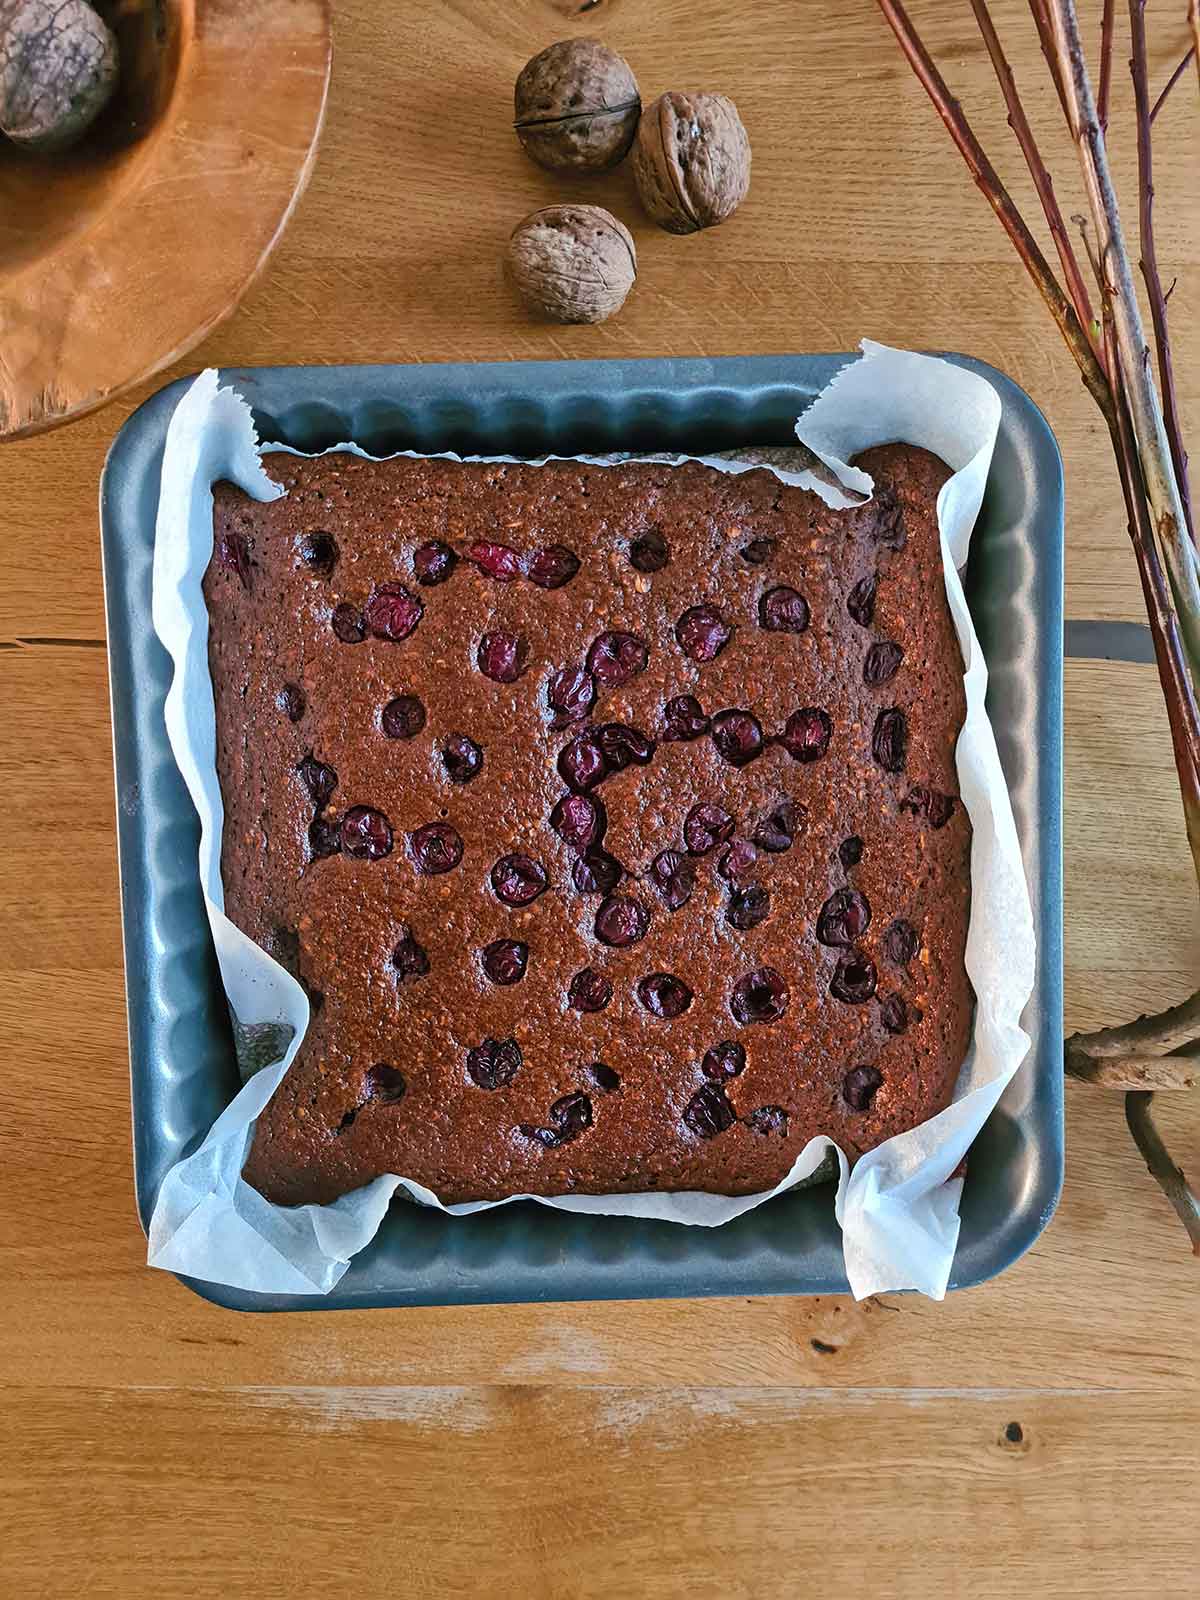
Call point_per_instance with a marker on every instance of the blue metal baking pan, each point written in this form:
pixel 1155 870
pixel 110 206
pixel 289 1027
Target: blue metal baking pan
pixel 181 1049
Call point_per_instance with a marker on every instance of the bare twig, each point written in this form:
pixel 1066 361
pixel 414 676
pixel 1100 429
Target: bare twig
pixel 1148 1036
pixel 998 197
pixel 1038 171
pixel 1163 1170
pixel 1144 408
pixel 1106 55
pixel 1133 1072
pixel 1171 82
pixel 1139 69
pixel 1194 25
pixel 1041 21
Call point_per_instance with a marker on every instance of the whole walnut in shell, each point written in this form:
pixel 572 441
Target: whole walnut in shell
pixel 572 263
pixel 58 69
pixel 576 107
pixel 691 161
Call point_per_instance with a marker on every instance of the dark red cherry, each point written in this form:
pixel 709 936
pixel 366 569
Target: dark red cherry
pixel 893 1013
pixel 748 907
pixel 596 872
pixel 844 918
pixel 462 758
pixel 850 851
pixel 783 610
pixel 860 1086
pixel 366 834
pixel 324 837
pixel 435 848
pixel 738 736
pixel 760 996
pixel 622 746
pixel 494 1063
pixel 319 552
pixel 777 830
pixel 517 880
pixel 889 742
pixel 392 613
pixel 433 562
pixel 724 1060
pixel 385 1084
pixel 685 718
pixel 348 623
pixel 604 1078
pixel 504 961
pixel 581 763
pixel 758 552
pixel 882 662
pixel 649 552
pixel 935 807
pixel 570 695
pixel 552 567
pixel 502 657
pixel 571 1115
pixel 705 827
pixel 702 633
pixel 616 657
pixel 319 779
pixel 860 602
pixel 767 1120
pixel 621 921
pixel 589 991
pixel 496 560
pixel 664 995
pixel 854 978
pixel 291 701
pixel 579 821
pixel 737 860
pixel 674 876
pixel 547 1137
pixel 889 519
pixel 233 552
pixel 901 943
pixel 410 958
pixel 807 733
pixel 403 717
pixel 708 1112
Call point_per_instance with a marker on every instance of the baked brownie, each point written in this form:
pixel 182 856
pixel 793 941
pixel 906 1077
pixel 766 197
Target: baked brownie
pixel 608 815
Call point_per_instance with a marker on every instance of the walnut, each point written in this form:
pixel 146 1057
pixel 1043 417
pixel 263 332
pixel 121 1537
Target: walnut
pixel 58 69
pixel 576 107
pixel 691 161
pixel 572 263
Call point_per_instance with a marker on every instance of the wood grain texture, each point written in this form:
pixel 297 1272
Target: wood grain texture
pixel 120 254
pixel 150 1443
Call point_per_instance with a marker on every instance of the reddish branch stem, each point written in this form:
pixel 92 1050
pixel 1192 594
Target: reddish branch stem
pixel 998 197
pixel 1106 55
pixel 1038 171
pixel 1045 33
pixel 1171 82
pixel 1139 68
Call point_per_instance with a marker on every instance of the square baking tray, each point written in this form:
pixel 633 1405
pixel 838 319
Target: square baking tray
pixel 181 1050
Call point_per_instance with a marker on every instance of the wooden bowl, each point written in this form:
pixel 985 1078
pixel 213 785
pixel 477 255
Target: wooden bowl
pixel 120 254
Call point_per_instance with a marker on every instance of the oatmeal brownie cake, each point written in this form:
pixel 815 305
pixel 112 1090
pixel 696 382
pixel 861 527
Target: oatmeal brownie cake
pixel 608 816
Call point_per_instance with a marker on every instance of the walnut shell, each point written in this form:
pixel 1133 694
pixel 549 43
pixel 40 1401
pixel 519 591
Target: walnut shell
pixel 58 69
pixel 691 161
pixel 576 107
pixel 572 263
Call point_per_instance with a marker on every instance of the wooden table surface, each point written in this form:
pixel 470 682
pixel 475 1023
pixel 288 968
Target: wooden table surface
pixel 1036 1436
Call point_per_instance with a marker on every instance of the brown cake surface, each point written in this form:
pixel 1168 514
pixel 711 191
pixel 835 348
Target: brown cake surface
pixel 388 642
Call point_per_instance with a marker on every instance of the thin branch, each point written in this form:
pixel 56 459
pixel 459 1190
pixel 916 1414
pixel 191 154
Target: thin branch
pixel 1139 69
pixel 1153 449
pixel 1163 1170
pixel 1041 21
pixel 998 197
pixel 1132 1072
pixel 1106 55
pixel 1171 82
pixel 1158 1035
pixel 1038 171
pixel 1194 25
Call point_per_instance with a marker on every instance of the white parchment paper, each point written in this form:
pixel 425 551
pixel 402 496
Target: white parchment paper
pixel 898 1206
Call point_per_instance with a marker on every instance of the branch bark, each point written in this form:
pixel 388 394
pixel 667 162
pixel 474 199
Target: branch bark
pixel 1171 82
pixel 1156 1035
pixel 1133 1072
pixel 1107 19
pixel 1163 1170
